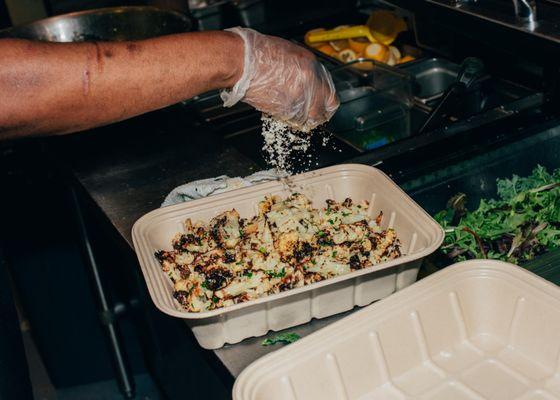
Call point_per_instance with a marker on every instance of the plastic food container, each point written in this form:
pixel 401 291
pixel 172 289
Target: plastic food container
pixel 368 119
pixel 477 330
pixel 420 235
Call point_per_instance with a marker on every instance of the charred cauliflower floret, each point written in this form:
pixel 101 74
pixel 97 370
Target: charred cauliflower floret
pixel 225 229
pixel 289 244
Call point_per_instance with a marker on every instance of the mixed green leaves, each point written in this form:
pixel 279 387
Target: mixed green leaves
pixel 288 337
pixel 523 222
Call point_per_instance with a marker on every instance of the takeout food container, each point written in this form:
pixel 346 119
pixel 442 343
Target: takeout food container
pixel 419 234
pixel 477 330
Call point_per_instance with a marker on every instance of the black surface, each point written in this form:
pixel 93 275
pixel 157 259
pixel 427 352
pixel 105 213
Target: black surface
pixel 14 376
pixel 48 272
pixel 4 17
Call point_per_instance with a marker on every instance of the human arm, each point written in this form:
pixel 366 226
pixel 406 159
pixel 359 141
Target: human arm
pixel 57 88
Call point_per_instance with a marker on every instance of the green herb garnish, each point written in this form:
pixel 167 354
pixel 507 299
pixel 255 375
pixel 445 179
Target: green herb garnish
pixel 274 274
pixel 286 338
pixel 215 299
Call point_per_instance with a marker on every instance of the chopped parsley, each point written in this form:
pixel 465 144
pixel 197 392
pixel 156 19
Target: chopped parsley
pixel 263 250
pixel 314 262
pixel 204 285
pixel 331 221
pixel 241 232
pixel 287 338
pixel 215 299
pixel 334 253
pixel 248 274
pixel 321 233
pixel 274 274
pixel 345 214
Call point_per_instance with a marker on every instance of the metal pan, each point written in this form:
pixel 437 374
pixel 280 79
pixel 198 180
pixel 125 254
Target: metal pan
pixel 104 24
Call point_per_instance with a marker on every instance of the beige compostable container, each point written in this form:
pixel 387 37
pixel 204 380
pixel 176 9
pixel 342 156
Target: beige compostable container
pixel 477 330
pixel 419 234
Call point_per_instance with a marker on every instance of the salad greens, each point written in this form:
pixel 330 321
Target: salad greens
pixel 523 222
pixel 288 337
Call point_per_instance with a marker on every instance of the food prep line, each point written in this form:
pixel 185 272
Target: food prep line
pixel 125 170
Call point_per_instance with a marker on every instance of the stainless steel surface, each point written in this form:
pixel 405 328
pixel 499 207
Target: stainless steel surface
pixel 525 10
pixel 500 12
pixel 107 24
pixel 432 77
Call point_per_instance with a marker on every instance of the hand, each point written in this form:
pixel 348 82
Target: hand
pixel 284 80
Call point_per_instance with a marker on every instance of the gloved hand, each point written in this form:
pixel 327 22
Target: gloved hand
pixel 284 80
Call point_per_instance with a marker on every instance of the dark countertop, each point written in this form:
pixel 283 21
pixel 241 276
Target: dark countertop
pixel 125 170
pixel 128 168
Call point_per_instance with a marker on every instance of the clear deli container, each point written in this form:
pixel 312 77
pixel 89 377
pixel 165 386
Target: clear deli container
pixel 419 234
pixel 477 330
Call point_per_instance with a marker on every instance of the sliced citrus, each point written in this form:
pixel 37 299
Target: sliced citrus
pixel 396 53
pixel 339 45
pixel 358 44
pixel 347 55
pixel 377 51
pixel 406 59
pixel 327 49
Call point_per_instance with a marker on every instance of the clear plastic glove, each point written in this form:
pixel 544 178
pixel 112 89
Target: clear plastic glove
pixel 283 80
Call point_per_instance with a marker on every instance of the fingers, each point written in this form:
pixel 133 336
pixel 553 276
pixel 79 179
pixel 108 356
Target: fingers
pixel 324 102
pixel 287 82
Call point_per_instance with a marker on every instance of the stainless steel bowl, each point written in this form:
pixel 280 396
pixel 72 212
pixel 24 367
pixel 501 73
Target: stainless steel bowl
pixel 104 24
